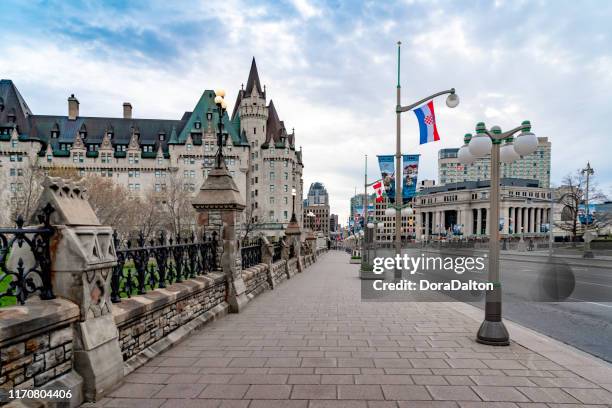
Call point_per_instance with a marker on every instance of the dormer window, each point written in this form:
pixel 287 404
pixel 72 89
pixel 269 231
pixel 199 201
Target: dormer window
pixel 209 116
pixel 162 136
pixel 83 132
pixel 12 117
pixel 55 131
pixel 1 105
pixel 197 125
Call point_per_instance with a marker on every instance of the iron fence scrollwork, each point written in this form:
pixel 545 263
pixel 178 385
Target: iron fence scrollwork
pixel 250 252
pixel 278 252
pixel 32 274
pixel 161 261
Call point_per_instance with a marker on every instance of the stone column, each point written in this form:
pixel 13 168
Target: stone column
pixel 488 221
pixel 519 220
pixel 83 257
pixel 537 220
pixel 293 234
pixel 267 257
pixel 219 195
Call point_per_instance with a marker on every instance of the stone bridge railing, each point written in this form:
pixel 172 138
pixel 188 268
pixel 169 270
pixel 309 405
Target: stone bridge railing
pixel 91 309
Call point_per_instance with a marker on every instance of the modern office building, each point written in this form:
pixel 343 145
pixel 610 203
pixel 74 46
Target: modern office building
pixel 535 166
pixel 316 209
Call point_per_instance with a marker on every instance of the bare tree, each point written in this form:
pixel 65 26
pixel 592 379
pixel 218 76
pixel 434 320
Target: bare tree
pixel 249 225
pixel 112 203
pixel 178 213
pixel 25 186
pixel 571 196
pixel 149 218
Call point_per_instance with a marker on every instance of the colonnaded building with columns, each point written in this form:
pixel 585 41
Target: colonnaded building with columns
pixel 463 209
pixel 142 154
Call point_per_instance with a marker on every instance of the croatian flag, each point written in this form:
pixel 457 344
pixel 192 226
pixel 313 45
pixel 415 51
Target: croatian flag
pixel 427 123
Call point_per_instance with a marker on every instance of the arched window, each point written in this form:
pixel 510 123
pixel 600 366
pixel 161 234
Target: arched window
pixel 567 213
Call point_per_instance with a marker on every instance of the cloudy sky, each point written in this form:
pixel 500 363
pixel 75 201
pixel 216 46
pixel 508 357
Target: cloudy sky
pixel 330 68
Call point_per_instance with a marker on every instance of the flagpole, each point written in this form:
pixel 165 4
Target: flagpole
pixel 365 210
pixel 398 158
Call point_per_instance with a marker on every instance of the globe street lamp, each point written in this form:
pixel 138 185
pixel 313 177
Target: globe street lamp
pixel 221 108
pixel 492 330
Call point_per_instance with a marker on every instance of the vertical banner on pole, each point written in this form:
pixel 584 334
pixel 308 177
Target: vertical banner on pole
pixel 409 176
pixel 387 171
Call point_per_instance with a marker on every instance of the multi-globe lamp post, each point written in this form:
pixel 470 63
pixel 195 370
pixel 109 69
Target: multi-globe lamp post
pixel 503 148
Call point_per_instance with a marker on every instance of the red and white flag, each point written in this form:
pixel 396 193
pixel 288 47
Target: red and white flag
pixel 378 189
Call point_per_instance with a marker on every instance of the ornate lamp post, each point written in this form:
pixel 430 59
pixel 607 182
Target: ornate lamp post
pixel 398 209
pixel 221 140
pixel 492 330
pixel 588 171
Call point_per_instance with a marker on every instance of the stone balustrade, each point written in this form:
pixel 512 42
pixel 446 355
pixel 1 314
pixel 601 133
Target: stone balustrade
pixel 82 342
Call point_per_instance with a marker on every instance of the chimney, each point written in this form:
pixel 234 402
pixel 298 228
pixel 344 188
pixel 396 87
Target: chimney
pixel 73 107
pixel 127 110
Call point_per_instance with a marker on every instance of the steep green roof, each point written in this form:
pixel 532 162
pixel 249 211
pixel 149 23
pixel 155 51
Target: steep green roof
pixel 207 104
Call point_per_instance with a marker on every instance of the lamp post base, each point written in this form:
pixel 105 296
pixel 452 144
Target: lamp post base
pixel 493 334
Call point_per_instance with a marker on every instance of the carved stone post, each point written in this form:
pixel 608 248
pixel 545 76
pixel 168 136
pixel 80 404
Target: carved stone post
pixel 83 256
pixel 267 255
pixel 219 195
pixel 293 233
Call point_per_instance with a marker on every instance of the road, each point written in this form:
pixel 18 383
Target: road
pixel 583 319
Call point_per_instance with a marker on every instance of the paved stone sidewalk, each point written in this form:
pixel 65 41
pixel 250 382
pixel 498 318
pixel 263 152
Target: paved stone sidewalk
pixel 312 343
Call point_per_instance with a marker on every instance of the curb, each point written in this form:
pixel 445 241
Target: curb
pixel 579 362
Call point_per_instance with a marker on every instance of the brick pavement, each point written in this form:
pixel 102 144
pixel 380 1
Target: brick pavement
pixel 311 343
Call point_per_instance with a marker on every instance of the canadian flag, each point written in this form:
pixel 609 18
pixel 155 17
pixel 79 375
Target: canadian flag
pixel 378 189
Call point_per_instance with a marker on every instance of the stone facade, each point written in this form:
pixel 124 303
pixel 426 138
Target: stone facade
pixel 37 346
pixel 256 279
pixel 279 272
pixel 37 360
pixel 145 319
pixel 524 208
pixel 147 155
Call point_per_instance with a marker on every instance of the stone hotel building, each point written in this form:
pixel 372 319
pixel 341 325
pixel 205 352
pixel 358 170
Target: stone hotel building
pixel 143 154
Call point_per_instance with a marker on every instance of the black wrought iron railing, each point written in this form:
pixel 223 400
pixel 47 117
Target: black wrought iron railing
pixel 25 260
pixel 278 252
pixel 250 252
pixel 291 251
pixel 148 265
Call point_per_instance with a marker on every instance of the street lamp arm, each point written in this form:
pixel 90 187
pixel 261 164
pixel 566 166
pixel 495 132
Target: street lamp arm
pixel 506 134
pixel 422 101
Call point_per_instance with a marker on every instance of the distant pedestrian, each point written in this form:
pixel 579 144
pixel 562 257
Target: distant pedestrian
pixel 530 248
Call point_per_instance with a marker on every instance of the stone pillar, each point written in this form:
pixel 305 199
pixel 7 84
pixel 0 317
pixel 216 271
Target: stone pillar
pixel 479 221
pixel 519 220
pixel 293 234
pixel 219 195
pixel 537 220
pixel 267 257
pixel 83 257
pixel 427 227
pixel 532 220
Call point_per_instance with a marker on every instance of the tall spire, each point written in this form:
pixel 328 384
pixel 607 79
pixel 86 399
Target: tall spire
pixel 253 81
